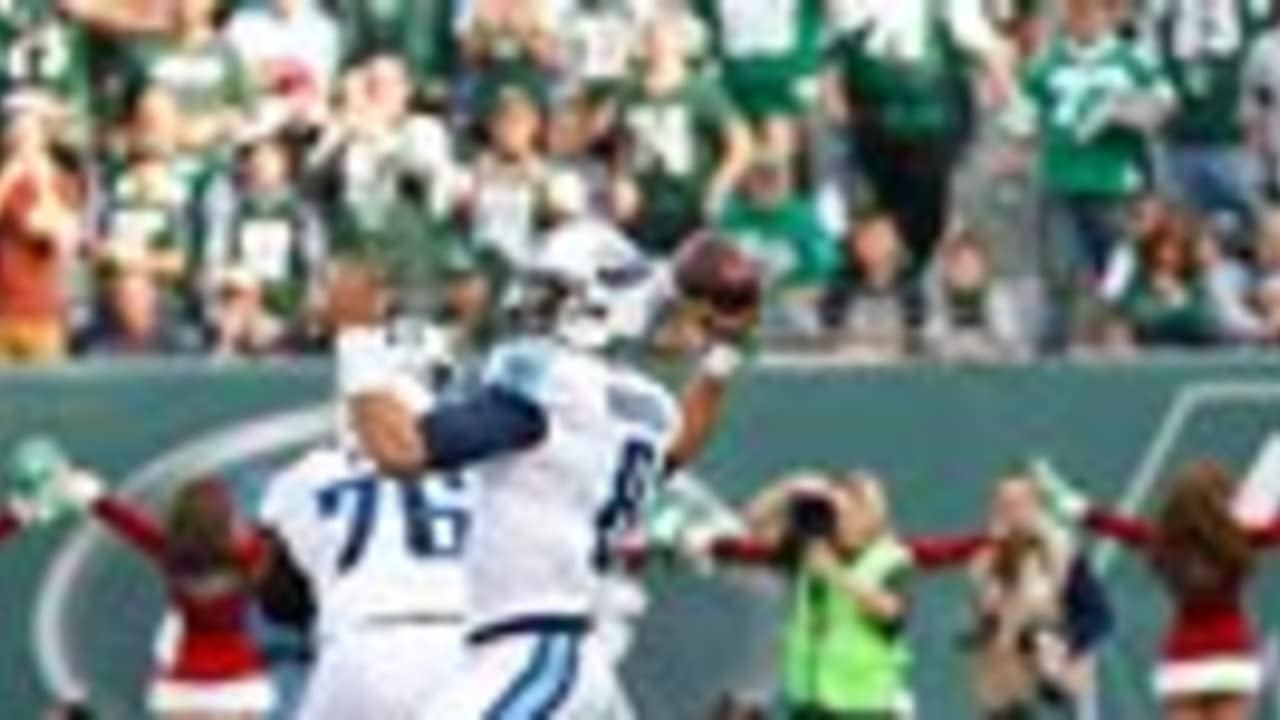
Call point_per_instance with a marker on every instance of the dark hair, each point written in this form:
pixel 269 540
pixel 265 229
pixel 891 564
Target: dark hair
pixel 1173 229
pixel 200 531
pixel 1200 548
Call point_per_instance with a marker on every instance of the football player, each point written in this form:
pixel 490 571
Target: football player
pixel 562 441
pixel 380 563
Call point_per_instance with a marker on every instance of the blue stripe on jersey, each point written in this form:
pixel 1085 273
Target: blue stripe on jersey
pixel 544 683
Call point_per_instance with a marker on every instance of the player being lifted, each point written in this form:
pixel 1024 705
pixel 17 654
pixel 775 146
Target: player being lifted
pixel 380 563
pixel 560 440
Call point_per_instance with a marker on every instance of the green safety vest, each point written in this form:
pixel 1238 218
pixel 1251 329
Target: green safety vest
pixel 837 658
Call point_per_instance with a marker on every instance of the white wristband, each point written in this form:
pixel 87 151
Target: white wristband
pixel 720 361
pixel 365 361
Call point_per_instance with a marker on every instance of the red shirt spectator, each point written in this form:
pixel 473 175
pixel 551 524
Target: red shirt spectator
pixel 39 222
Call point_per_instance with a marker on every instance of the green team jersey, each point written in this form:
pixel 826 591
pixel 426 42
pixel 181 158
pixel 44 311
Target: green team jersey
pixel 1159 320
pixel 274 238
pixel 1203 44
pixel 420 31
pixel 908 81
pixel 673 138
pixel 765 48
pixel 159 220
pixel 40 49
pixel 786 239
pixel 1071 88
pixel 672 143
pixel 205 79
pixel 193 171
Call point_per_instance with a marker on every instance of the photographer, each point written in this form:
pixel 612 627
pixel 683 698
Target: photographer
pixel 844 647
pixel 1039 611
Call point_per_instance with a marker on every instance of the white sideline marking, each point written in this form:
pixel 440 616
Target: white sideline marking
pixel 239 441
pixel 1258 498
pixel 1185 401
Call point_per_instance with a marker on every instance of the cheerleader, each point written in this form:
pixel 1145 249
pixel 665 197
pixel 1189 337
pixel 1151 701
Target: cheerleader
pixel 211 564
pixel 1203 557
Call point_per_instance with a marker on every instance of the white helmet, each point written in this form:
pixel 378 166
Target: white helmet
pixel 582 284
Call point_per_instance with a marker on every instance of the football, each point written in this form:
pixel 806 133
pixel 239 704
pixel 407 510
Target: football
pixel 710 269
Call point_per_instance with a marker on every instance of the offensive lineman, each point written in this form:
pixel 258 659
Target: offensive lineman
pixel 560 442
pixel 382 563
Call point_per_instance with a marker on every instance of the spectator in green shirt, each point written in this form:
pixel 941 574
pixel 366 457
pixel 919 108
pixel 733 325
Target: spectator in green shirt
pixel 780 229
pixel 683 146
pixel 43 50
pixel 1203 47
pixel 418 31
pixel 900 78
pixel 212 86
pixel 1167 303
pixel 505 42
pixel 146 232
pixel 263 256
pixel 1094 97
pixel 770 57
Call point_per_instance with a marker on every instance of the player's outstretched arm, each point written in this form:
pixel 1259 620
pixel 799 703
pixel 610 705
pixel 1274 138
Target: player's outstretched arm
pixel 703 396
pixel 387 431
pixel 700 404
pixel 490 423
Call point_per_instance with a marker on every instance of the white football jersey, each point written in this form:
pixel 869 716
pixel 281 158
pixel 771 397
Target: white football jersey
pixel 373 550
pixel 546 516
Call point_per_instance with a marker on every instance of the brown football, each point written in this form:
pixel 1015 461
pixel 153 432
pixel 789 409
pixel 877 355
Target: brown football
pixel 711 269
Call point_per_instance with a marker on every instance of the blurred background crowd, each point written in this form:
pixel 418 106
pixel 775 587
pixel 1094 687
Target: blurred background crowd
pixel 960 179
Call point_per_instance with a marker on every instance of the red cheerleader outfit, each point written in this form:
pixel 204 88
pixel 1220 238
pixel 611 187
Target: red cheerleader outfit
pixel 215 665
pixel 1210 647
pixel 9 524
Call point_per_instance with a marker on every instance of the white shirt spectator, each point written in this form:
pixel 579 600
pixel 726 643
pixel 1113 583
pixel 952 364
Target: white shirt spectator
pixel 287 41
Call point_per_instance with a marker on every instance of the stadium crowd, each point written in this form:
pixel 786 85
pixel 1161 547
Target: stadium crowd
pixel 963 180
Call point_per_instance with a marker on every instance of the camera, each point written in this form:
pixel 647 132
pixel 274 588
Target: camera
pixel 810 517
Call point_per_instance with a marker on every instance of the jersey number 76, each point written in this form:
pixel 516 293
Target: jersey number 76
pixel 430 531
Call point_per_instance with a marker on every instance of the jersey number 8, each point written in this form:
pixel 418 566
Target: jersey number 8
pixel 619 513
